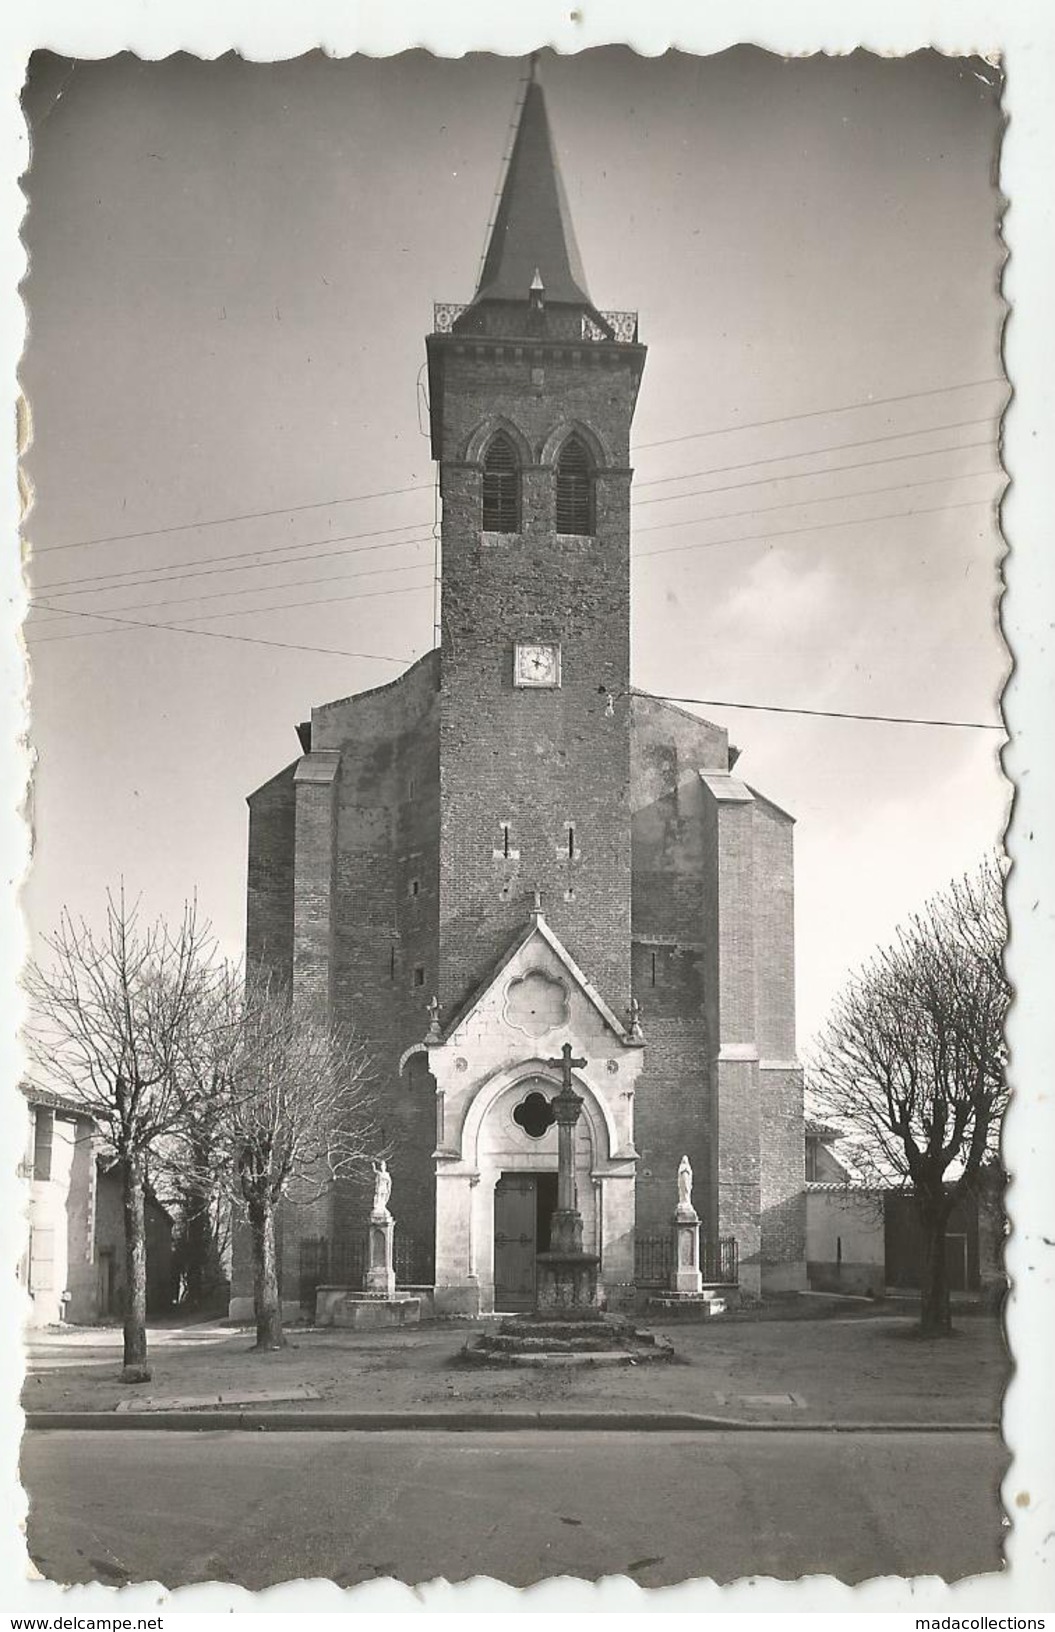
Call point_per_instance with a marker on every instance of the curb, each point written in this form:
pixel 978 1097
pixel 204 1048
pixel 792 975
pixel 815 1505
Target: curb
pixel 206 1421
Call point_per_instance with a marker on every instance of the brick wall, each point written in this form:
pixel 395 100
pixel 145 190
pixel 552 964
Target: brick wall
pixel 541 762
pixel 783 1170
pixel 386 917
pixel 269 902
pixel 780 1080
pixel 774 931
pixel 674 1110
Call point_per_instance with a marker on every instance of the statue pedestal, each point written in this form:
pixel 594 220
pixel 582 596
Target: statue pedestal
pixel 686 1278
pixel 345 1306
pixel 380 1279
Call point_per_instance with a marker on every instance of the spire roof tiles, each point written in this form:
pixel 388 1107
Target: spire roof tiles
pixel 533 237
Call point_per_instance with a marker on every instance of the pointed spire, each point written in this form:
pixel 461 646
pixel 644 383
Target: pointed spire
pixel 533 241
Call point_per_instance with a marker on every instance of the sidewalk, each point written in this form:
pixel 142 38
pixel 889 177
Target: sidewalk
pixel 836 1372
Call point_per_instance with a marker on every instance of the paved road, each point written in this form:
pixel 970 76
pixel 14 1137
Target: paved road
pixel 660 1507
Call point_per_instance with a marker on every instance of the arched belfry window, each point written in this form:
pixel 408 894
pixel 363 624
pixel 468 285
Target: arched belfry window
pixel 574 488
pixel 501 507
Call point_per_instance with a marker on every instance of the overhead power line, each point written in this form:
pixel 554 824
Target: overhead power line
pixel 834 498
pixel 251 589
pixel 141 575
pixel 811 527
pixel 248 640
pixel 66 586
pixel 698 702
pixel 42 605
pixel 813 475
pixel 238 611
pixel 423 487
pixel 816 413
pixel 39 604
pixel 830 713
pixel 830 447
pixel 223 521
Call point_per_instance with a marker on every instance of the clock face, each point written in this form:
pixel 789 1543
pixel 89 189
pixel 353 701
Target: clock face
pixel 536 663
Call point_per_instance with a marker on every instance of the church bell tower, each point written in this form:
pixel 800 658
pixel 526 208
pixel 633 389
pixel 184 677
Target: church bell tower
pixel 532 392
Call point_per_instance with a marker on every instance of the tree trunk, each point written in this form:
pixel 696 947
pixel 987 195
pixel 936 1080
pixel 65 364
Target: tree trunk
pixel 200 1251
pixel 267 1306
pixel 935 1313
pixel 133 1200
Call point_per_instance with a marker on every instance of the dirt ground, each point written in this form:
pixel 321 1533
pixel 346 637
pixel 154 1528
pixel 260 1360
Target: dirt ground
pixel 843 1370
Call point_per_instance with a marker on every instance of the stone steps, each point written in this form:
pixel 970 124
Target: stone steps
pixel 531 1339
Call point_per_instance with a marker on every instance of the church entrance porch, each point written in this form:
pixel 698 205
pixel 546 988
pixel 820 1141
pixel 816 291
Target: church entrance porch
pixel 524 1204
pixel 498 1069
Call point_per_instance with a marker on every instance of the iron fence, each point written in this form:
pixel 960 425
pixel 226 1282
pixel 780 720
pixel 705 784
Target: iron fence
pixel 654 1260
pixel 343 1263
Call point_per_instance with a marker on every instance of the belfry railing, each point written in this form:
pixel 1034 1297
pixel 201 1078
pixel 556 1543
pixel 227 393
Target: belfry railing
pixel 620 327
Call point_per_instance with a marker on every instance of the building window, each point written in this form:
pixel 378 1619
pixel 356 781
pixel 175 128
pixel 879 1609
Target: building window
pixel 504 849
pixel 419 974
pixel 811 1161
pixel 501 506
pixel 574 489
pixel 43 1135
pixel 414 887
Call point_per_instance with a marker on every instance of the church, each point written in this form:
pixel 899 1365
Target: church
pixel 509 848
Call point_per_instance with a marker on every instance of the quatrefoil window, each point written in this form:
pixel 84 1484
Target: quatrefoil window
pixel 535 1115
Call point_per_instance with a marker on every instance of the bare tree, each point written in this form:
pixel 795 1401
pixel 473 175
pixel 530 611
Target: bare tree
pixel 188 1161
pixel 912 1062
pixel 297 1112
pixel 111 1015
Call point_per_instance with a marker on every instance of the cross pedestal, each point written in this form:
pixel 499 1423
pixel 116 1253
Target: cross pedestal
pixel 566 1276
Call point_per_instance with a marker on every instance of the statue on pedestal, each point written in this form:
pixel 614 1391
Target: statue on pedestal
pixel 382 1191
pixel 685 1209
pixel 686 1277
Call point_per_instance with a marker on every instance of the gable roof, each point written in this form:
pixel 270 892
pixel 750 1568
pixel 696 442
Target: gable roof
pixel 533 234
pixel 538 927
pixel 51 1101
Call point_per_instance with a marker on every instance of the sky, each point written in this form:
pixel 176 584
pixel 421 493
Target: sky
pixel 232 270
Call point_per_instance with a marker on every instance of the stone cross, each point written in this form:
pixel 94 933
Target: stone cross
pixel 566 1107
pixel 564 1065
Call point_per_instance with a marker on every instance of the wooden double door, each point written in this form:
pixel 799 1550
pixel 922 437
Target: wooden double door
pixel 524 1205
